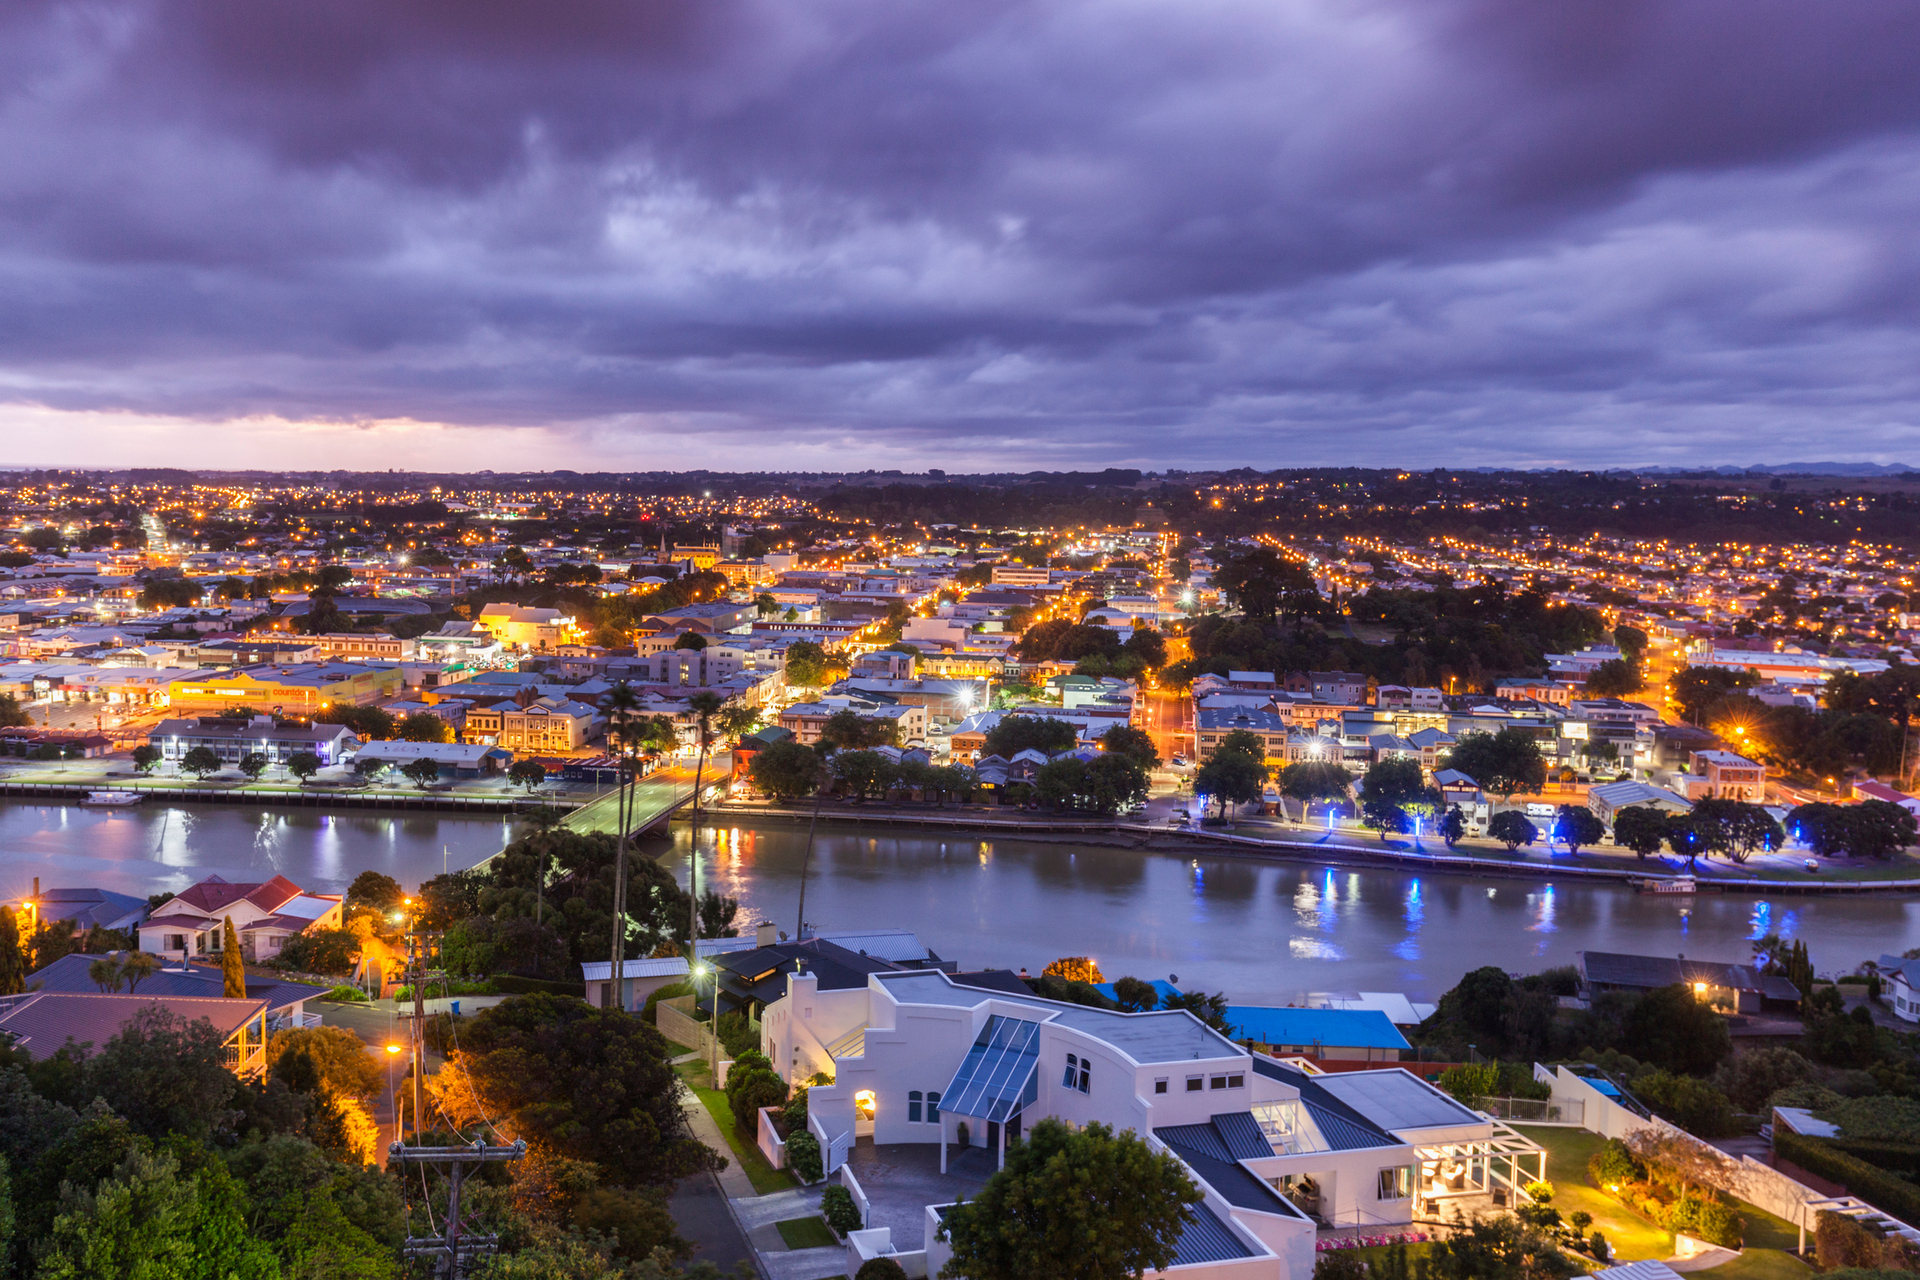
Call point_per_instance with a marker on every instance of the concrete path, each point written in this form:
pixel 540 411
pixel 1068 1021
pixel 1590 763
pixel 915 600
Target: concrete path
pixel 733 1179
pixel 1703 1261
pixel 805 1264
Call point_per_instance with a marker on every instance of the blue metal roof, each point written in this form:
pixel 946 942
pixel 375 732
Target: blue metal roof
pixel 999 1074
pixel 1346 1028
pixel 1207 1239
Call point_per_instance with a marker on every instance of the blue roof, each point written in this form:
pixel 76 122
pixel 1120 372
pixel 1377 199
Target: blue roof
pixel 1160 989
pixel 1346 1028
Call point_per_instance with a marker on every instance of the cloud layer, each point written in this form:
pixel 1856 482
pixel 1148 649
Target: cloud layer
pixel 740 233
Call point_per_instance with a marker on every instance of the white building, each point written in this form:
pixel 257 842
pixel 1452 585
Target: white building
pixel 918 1057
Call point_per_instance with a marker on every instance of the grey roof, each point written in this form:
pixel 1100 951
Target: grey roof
pixel 1344 1128
pixel 42 1021
pixel 1232 1180
pixel 1207 1239
pixel 1234 1135
pixel 1612 969
pixel 1396 1099
pixel 1168 1035
pixel 68 975
pixel 86 907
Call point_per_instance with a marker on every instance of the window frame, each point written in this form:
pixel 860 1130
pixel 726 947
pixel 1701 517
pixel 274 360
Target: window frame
pixel 1395 1182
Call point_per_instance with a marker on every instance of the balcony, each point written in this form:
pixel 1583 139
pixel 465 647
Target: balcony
pixel 292 1022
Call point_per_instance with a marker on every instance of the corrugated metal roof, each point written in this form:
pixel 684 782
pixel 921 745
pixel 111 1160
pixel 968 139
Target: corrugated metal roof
pixel 664 967
pixel 44 1021
pixel 68 976
pixel 1344 1028
pixel 1202 1139
pixel 1207 1239
pixel 1241 1133
pixel 1235 1184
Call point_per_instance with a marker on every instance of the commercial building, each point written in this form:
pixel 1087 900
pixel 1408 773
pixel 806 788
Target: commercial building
pixel 1212 724
pixel 524 627
pixel 301 689
pixel 234 740
pixel 455 759
pixel 1722 775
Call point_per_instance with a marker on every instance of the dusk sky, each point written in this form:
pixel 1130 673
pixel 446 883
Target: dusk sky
pixel 984 234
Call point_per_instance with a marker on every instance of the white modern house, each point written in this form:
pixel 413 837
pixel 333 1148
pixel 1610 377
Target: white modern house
pixel 918 1057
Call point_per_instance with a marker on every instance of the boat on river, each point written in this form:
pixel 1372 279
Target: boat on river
pixel 111 799
pixel 1669 884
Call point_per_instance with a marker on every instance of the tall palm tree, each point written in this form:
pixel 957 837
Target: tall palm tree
pixel 843 730
pixel 623 708
pixel 705 705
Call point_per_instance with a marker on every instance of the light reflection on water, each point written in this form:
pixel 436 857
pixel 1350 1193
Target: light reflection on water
pixel 1259 931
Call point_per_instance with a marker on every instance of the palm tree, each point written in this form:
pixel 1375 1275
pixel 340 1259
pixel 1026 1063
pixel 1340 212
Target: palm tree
pixel 623 707
pixel 105 974
pixel 842 730
pixel 544 820
pixel 704 705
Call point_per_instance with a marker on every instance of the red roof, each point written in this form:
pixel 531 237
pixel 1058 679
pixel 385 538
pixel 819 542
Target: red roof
pixel 214 894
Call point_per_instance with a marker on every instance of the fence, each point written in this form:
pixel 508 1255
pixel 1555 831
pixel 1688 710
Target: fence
pixel 675 1019
pixel 852 1184
pixel 772 1145
pixel 1567 1111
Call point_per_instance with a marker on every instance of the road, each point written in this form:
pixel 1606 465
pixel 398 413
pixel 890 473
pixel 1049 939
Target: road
pixel 1169 719
pixel 653 795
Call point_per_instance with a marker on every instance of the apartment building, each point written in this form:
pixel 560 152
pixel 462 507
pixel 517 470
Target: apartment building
pixel 292 690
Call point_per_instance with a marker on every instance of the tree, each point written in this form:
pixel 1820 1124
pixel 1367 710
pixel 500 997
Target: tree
pixel 169 593
pixel 104 973
pixel 1670 1028
pixel 1125 740
pixel 1311 780
pixel 1753 1076
pixel 1502 763
pixel 1576 825
pixel 367 723
pixel 786 770
pixel 147 757
pixel 12 714
pixel 751 1085
pixel 1511 828
pixel 1231 776
pixel 1073 1204
pixel 149 1220
pixel 1453 827
pixel 424 726
pixel 1733 827
pixel 1015 734
pixel 303 765
pixel 328 1055
pixel 1148 646
pixel 232 966
pixel 1615 678
pixel 1641 828
pixel 595 1083
pixel 1697 688
pixel 1264 586
pixel 569 877
pixel 423 772
pixel 527 773
pixel 808 666
pixel 136 967
pixel 253 764
pixel 372 768
pixel 166 1075
pixel 1384 816
pixel 13 954
pixel 200 761
pixel 1134 995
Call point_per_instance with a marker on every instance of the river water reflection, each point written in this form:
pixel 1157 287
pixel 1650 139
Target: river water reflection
pixel 1259 931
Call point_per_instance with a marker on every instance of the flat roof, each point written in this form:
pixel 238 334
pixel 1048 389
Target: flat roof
pixel 1168 1035
pixel 1355 1028
pixel 1396 1100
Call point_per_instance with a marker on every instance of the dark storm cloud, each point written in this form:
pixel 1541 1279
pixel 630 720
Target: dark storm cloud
pixel 1200 232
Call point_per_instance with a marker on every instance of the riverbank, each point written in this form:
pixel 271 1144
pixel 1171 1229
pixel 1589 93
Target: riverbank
pixel 1591 864
pixel 278 796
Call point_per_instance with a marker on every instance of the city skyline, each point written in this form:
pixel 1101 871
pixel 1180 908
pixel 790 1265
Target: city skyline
pixel 1004 238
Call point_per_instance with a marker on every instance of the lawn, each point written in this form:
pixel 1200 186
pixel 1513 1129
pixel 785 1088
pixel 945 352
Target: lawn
pixel 1568 1151
pixel 807 1233
pixel 1631 1237
pixel 747 1155
pixel 1760 1264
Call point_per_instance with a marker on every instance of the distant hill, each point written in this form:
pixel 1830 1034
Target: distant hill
pixel 1788 469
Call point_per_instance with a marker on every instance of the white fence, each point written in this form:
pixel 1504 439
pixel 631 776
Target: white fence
pixel 772 1145
pixel 1567 1111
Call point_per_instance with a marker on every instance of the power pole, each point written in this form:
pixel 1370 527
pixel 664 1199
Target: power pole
pixel 454 1252
pixel 418 1040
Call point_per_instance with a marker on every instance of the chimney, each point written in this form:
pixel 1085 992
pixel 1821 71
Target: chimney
pixel 36 886
pixel 765 934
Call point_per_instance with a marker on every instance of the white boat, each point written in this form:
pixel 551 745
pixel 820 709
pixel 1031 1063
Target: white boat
pixel 112 798
pixel 1677 884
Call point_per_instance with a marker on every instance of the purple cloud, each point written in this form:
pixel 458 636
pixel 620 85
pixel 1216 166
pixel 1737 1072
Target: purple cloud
pixel 1061 234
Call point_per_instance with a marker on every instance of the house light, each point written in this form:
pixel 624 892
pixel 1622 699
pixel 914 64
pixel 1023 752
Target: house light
pixel 1700 989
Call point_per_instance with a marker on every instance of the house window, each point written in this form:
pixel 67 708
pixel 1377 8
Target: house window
pixel 913 1105
pixel 1159 1086
pixel 933 1107
pixel 1195 1083
pixel 1086 1066
pixel 1072 1073
pixel 1396 1183
pixel 1218 1082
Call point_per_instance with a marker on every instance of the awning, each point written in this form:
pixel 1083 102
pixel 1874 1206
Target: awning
pixel 999 1075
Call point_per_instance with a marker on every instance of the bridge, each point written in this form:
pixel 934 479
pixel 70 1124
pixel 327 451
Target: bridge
pixel 654 799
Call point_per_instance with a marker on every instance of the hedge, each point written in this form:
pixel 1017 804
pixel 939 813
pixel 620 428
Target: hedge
pixel 510 984
pixel 1886 1192
pixel 1899 1157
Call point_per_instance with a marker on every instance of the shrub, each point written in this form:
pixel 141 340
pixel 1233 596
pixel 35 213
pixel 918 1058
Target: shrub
pixel 795 1114
pixel 1694 1105
pixel 803 1156
pixel 842 1214
pixel 751 1085
pixel 1540 1192
pixel 1601 1250
pixel 1580 1219
pixel 328 951
pixel 1708 1220
pixel 346 994
pixel 1614 1164
pixel 1886 1192
pixel 880 1269
pixel 1840 1241
pixel 511 984
pixel 736 1035
pixel 1339 1264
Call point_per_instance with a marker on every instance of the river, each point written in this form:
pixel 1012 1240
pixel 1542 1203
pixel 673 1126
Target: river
pixel 1262 932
